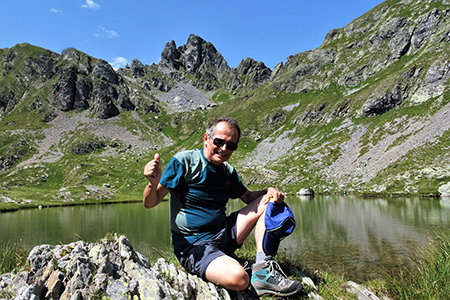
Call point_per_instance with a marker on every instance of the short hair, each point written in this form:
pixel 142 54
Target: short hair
pixel 212 126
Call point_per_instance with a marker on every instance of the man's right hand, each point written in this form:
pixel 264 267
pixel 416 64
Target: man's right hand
pixel 153 170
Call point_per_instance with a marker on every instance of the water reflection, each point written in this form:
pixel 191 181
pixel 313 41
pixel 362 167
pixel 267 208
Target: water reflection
pixel 357 237
pixel 362 237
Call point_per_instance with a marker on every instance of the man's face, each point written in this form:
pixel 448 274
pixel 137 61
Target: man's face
pixel 215 154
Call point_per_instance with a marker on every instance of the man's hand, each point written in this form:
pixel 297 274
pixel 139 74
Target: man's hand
pixel 273 195
pixel 153 170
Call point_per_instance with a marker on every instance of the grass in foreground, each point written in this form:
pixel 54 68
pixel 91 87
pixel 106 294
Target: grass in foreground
pixel 429 278
pixel 12 257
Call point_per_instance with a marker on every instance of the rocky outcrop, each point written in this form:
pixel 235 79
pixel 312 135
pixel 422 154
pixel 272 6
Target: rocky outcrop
pixel 197 57
pixel 254 73
pixel 137 69
pixel 12 155
pixel 104 71
pixel 170 59
pixel 378 106
pixel 109 269
pixel 112 269
pixel 65 89
pixel 104 97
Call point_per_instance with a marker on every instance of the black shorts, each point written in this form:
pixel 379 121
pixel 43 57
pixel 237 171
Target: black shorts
pixel 196 257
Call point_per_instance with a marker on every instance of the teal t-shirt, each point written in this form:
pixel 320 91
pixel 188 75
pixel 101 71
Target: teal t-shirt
pixel 199 192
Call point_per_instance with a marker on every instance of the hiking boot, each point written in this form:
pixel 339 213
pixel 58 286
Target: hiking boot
pixel 268 278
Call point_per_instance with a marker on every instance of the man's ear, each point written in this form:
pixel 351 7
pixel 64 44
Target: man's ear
pixel 205 138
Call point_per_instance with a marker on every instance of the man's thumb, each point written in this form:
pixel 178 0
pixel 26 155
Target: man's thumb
pixel 156 157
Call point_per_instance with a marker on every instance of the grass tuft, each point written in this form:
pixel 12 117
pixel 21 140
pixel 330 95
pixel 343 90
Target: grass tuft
pixel 12 257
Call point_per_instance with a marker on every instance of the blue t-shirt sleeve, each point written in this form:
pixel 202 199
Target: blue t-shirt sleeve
pixel 172 175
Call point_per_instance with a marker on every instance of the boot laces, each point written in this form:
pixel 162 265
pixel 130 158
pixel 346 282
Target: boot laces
pixel 275 270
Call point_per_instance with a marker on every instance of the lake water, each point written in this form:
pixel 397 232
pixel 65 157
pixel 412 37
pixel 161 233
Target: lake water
pixel 360 238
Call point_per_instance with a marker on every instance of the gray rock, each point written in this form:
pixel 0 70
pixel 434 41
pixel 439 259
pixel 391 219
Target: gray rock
pixel 437 71
pixel 104 71
pixel 65 89
pixel 256 72
pixel 169 58
pixel 109 268
pixel 444 190
pixel 104 96
pixel 379 105
pixel 137 68
pixel 305 192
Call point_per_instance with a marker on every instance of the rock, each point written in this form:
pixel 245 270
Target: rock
pixel 437 71
pixel 104 71
pixel 65 89
pixel 444 190
pixel 379 105
pixel 137 69
pixel 104 96
pixel 192 56
pixel 82 95
pixel 110 269
pixel 256 72
pixel 361 292
pixel 169 58
pixel 12 155
pixel 125 102
pixel 305 192
pixel 87 147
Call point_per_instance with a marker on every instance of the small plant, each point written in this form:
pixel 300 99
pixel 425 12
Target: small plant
pixel 12 257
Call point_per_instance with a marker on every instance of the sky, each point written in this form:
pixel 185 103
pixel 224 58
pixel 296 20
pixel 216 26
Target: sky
pixel 119 31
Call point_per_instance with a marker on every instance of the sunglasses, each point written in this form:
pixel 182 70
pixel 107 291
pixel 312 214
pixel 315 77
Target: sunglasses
pixel 220 142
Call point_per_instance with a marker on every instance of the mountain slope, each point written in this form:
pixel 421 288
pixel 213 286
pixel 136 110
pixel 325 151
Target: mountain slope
pixel 366 112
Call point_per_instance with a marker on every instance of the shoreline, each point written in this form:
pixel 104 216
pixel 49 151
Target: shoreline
pixel 12 206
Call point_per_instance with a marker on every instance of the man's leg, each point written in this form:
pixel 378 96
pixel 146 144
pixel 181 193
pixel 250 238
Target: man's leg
pixel 225 270
pixel 228 273
pixel 267 276
pixel 252 217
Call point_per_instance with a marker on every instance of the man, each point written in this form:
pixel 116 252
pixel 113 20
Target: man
pixel 200 183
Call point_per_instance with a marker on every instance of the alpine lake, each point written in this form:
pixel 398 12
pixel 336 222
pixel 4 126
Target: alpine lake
pixel 356 237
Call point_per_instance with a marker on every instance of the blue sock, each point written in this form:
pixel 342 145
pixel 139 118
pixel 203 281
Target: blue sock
pixel 262 256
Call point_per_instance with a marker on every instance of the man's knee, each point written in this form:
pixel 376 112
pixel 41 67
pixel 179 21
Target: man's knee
pixel 239 280
pixel 228 273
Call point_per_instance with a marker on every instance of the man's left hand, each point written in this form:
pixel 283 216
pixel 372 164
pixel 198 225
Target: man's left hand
pixel 274 195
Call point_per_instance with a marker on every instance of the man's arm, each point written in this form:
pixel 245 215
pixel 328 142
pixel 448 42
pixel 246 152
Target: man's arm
pixel 154 195
pixel 154 192
pixel 269 193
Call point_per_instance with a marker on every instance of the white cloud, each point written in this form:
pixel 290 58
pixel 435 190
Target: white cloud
pixel 90 5
pixel 119 62
pixel 54 10
pixel 106 33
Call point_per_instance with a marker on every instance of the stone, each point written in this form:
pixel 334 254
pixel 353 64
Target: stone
pixel 110 268
pixel 137 69
pixel 444 190
pixel 305 192
pixel 104 71
pixel 65 89
pixel 379 105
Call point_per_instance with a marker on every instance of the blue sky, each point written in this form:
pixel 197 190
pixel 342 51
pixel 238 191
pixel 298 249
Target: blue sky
pixel 121 30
